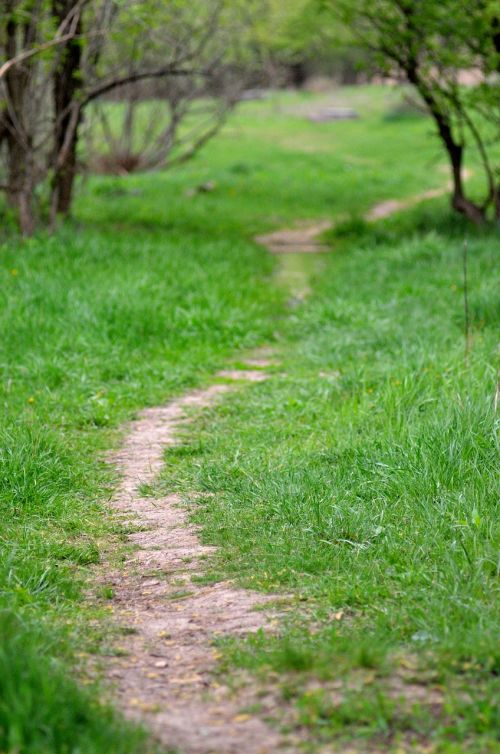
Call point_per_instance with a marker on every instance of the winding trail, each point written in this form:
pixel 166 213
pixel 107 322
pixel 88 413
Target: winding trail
pixel 169 620
pixel 162 672
pixel 305 237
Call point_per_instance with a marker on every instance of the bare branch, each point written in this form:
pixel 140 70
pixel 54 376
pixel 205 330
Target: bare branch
pixel 132 78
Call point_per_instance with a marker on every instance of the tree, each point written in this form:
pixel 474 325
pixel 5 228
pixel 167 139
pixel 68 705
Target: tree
pixel 63 55
pixel 164 120
pixel 429 43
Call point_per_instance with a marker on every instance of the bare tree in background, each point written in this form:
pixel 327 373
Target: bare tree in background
pixel 62 56
pixel 149 127
pixel 149 123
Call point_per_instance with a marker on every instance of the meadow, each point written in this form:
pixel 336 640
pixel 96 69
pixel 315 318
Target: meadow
pixel 362 477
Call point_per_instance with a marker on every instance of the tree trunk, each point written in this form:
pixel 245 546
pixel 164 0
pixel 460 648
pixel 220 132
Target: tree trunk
pixel 298 74
pixel 459 201
pixel 16 131
pixel 4 126
pixel 20 184
pixel 455 150
pixel 66 88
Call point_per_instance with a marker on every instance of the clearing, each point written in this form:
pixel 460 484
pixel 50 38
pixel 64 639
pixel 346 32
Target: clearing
pixel 351 495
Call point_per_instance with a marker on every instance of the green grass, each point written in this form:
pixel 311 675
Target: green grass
pixel 363 479
pixel 95 324
pixel 271 166
pixel 42 710
pixel 366 480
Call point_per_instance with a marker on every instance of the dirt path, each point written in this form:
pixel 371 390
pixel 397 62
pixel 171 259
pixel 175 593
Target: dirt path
pixel 305 238
pixel 163 674
pixel 391 206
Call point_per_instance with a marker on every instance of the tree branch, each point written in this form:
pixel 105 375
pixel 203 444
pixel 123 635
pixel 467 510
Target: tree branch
pixel 61 38
pixel 132 78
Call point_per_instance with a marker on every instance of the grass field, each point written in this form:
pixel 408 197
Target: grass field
pixel 363 476
pixel 366 478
